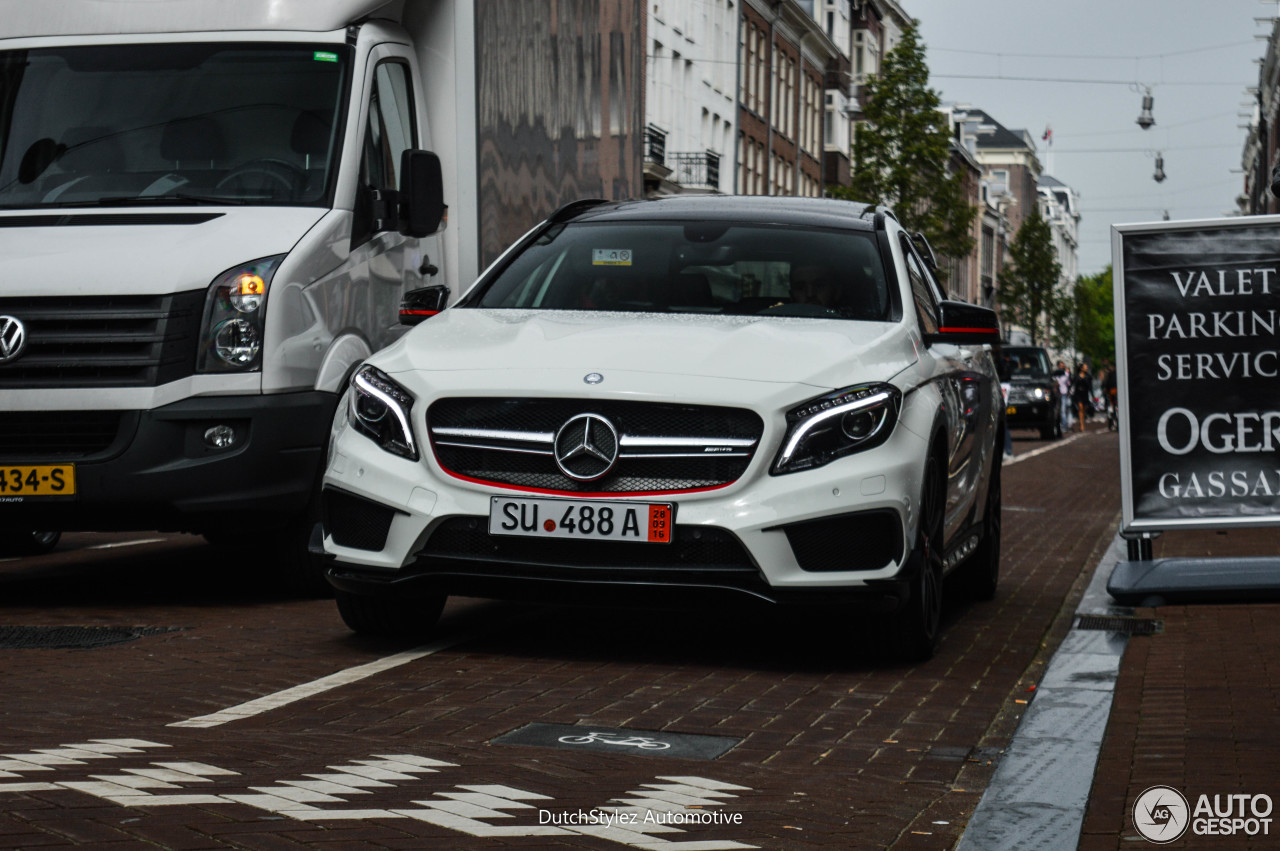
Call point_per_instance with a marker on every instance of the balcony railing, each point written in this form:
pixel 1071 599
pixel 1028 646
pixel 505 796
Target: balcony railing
pixel 655 145
pixel 697 170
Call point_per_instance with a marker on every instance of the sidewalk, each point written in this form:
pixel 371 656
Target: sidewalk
pixel 1197 709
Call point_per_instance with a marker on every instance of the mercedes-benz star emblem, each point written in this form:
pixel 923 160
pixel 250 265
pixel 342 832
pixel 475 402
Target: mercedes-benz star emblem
pixel 13 338
pixel 593 378
pixel 586 447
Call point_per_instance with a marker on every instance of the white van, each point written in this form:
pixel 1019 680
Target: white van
pixel 210 214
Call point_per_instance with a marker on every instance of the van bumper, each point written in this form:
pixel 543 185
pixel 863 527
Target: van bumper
pixel 159 472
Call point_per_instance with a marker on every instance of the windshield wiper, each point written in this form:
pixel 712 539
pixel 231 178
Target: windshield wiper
pixel 170 199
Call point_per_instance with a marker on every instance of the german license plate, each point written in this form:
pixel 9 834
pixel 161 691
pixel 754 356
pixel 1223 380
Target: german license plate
pixel 1011 410
pixel 594 520
pixel 40 480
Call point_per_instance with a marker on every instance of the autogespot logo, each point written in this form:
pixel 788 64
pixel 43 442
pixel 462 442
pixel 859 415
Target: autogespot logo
pixel 1160 814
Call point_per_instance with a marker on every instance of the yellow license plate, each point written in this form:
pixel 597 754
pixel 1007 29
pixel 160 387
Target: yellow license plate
pixel 42 480
pixel 1011 410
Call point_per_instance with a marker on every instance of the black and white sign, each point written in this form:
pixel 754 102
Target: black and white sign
pixel 1197 325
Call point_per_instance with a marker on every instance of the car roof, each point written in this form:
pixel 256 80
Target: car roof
pixel 814 212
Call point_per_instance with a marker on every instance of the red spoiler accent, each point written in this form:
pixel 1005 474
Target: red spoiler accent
pixel 947 330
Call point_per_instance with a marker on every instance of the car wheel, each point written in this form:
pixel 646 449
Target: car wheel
pixel 390 616
pixel 982 570
pixel 30 542
pixel 918 625
pixel 1052 431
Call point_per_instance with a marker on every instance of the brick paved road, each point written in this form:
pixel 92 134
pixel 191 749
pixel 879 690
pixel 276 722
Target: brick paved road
pixel 840 748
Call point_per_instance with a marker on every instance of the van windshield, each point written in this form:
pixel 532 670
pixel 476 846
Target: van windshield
pixel 143 124
pixel 698 267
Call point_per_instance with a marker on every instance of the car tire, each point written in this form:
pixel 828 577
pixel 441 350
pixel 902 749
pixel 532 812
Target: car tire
pixel 918 625
pixel 390 616
pixel 982 570
pixel 1051 432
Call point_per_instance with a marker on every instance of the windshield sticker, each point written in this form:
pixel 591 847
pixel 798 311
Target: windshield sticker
pixel 324 56
pixel 611 257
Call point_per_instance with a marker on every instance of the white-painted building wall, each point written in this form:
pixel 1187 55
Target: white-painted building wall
pixel 691 80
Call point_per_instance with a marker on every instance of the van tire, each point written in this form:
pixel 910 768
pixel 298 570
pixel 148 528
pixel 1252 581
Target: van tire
pixel 390 616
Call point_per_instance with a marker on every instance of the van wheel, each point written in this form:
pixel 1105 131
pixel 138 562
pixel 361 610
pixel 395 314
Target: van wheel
pixel 390 616
pixel 29 542
pixel 918 625
pixel 982 570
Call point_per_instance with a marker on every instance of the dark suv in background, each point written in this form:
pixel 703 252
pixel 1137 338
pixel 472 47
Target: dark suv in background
pixel 1033 392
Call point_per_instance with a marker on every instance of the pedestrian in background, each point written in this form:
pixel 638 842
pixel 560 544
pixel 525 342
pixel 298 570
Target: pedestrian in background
pixel 1082 391
pixel 1063 376
pixel 1109 395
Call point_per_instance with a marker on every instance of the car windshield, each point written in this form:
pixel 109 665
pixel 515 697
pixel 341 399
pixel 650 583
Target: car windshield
pixel 704 267
pixel 1026 363
pixel 153 124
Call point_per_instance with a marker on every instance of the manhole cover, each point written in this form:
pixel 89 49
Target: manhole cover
pixel 616 741
pixel 1119 623
pixel 73 637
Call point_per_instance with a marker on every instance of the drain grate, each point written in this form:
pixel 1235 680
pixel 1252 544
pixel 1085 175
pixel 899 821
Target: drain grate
pixel 1119 623
pixel 74 637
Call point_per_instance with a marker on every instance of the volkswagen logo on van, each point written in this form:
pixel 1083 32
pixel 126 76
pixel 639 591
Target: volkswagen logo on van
pixel 586 447
pixel 13 338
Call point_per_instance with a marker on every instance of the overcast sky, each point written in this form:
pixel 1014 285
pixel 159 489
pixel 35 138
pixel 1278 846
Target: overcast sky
pixel 1197 56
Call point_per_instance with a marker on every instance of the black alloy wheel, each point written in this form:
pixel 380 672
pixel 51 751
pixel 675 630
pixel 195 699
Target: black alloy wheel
pixel 918 625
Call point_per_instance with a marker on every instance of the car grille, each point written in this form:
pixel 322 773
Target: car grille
pixel 56 435
pixel 661 447
pixel 693 549
pixel 1022 394
pixel 104 341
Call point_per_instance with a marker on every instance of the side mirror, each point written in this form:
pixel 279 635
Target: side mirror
pixel 423 211
pixel 964 324
pixel 423 303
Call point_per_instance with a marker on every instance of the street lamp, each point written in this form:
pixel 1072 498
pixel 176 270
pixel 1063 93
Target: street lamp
pixel 1159 175
pixel 1145 120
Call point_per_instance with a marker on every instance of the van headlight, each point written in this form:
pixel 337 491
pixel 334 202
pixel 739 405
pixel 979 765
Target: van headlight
pixel 830 427
pixel 234 314
pixel 379 409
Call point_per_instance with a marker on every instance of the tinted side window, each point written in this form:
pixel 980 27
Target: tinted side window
pixel 921 291
pixel 390 130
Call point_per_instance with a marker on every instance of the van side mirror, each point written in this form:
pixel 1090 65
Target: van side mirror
pixel 964 324
pixel 423 303
pixel 422 208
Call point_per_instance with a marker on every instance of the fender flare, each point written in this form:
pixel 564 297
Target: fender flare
pixel 344 354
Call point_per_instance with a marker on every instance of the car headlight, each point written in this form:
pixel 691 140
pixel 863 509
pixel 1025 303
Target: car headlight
pixel 847 421
pixel 379 409
pixel 1039 393
pixel 234 314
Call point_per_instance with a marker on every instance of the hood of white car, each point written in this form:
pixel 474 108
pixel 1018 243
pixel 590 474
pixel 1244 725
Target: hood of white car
pixel 152 251
pixel 819 352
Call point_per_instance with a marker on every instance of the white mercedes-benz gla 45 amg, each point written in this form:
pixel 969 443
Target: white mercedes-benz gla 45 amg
pixel 767 397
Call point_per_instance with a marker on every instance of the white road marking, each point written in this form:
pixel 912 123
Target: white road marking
pixel 463 808
pixel 300 692
pixel 1043 449
pixel 125 544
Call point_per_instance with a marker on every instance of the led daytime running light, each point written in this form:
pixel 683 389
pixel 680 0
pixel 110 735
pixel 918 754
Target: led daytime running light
pixel 836 408
pixel 393 404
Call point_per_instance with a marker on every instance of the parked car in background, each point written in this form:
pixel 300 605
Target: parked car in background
pixel 1033 392
pixel 765 397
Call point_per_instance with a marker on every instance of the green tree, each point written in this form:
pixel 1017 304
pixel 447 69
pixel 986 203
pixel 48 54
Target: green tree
pixel 901 154
pixel 1095 315
pixel 1028 285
